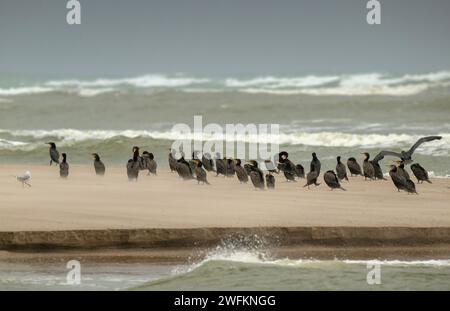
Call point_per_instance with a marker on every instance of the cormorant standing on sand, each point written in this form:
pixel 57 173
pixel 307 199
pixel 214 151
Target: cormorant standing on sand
pixel 98 165
pixel 400 182
pixel 134 165
pixel 315 164
pixel 241 173
pixel 230 167
pixel 183 168
pixel 200 173
pixel 311 179
pixel 420 173
pixel 221 165
pixel 150 162
pixel 406 156
pixel 270 181
pixel 256 175
pixel 354 167
pixel 300 171
pixel 377 170
pixel 332 180
pixel 207 162
pixel 172 161
pixel 286 166
pixel 401 170
pixel 369 171
pixel 341 170
pixel 64 167
pixel 54 154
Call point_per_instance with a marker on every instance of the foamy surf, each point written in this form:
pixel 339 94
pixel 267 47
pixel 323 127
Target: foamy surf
pixel 343 85
pixel 330 139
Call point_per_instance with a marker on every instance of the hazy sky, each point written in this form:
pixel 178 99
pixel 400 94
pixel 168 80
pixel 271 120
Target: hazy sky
pixel 212 37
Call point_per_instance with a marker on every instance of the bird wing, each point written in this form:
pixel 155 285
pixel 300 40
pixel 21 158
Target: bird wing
pixel 421 141
pixel 384 153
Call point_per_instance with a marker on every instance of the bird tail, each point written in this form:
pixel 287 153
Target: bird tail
pixel 429 181
pixel 343 189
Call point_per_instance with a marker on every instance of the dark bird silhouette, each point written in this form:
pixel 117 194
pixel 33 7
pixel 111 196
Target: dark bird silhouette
pixel 241 173
pixel 377 170
pixel 207 162
pixel 270 181
pixel 400 182
pixel 230 167
pixel 256 175
pixel 221 165
pixel 286 166
pixel 98 165
pixel 311 179
pixel 54 154
pixel 420 173
pixel 401 170
pixel 200 173
pixel 341 170
pixel 184 169
pixel 134 165
pixel 315 164
pixel 406 156
pixel 150 162
pixel 172 161
pixel 354 167
pixel 369 171
pixel 64 167
pixel 300 171
pixel 331 179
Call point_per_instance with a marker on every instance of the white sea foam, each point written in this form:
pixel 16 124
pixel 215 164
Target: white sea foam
pixel 141 81
pixel 329 139
pixel 8 144
pixel 25 90
pixel 345 85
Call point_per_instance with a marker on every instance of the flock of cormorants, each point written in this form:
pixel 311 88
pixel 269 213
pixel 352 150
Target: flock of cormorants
pixel 200 164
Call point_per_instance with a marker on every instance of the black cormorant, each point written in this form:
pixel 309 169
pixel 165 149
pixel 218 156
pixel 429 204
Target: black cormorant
pixel 341 170
pixel 311 179
pixel 270 181
pixel 256 175
pixel 241 173
pixel 400 182
pixel 64 167
pixel 369 171
pixel 315 164
pixel 134 165
pixel 300 171
pixel 98 165
pixel 221 165
pixel 377 170
pixel 401 170
pixel 286 166
pixel 420 173
pixel 200 173
pixel 331 179
pixel 172 161
pixel 183 169
pixel 54 154
pixel 207 162
pixel 354 167
pixel 406 156
pixel 150 162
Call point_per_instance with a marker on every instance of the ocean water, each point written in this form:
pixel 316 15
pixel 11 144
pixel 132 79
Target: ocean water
pixel 330 115
pixel 237 270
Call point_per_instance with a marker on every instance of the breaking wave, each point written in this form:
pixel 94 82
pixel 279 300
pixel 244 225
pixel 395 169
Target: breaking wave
pixel 22 138
pixel 344 85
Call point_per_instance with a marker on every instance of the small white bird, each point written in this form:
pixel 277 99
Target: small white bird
pixel 24 179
